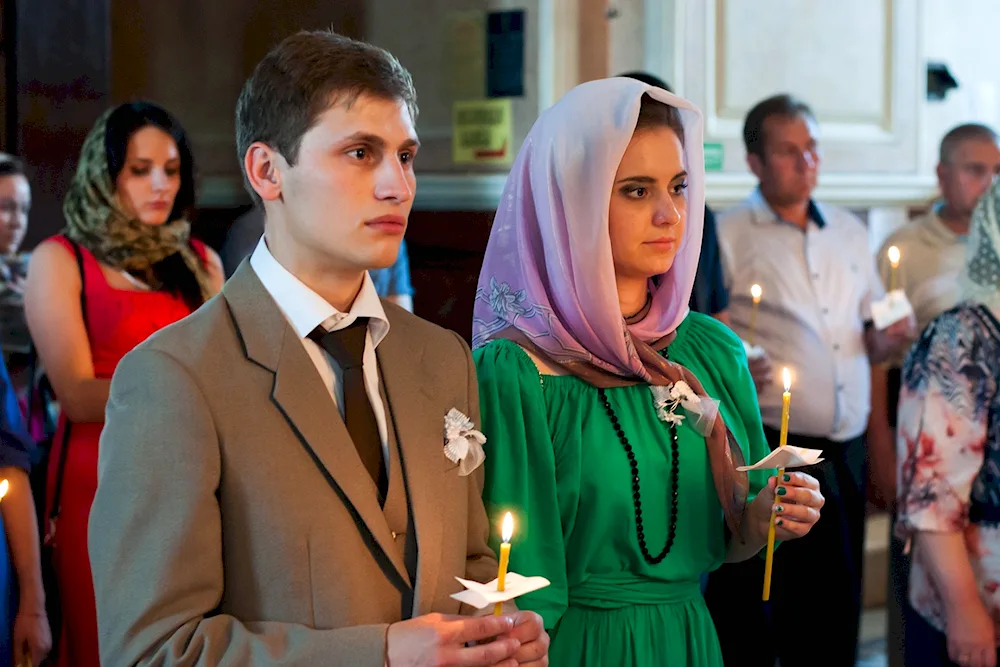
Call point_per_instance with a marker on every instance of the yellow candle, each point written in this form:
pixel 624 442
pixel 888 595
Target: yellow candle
pixel 786 400
pixel 894 263
pixel 755 293
pixel 507 533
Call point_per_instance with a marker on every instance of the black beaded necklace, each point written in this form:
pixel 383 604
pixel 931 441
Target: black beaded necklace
pixel 636 497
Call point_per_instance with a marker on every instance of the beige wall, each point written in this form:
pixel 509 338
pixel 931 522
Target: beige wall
pixel 959 35
pixel 416 32
pixel 626 37
pixel 193 56
pixel 963 35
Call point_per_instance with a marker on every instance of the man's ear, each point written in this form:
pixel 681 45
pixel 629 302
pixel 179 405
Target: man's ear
pixel 756 164
pixel 263 166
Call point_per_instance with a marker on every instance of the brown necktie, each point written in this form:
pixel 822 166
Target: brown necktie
pixel 347 347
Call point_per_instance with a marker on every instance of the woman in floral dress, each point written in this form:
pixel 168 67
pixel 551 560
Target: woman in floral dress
pixel 949 466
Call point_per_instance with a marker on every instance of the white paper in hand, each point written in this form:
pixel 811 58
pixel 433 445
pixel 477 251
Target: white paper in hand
pixel 786 457
pixel 890 309
pixel 481 596
pixel 753 351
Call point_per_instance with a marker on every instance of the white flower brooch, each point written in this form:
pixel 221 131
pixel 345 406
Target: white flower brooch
pixel 667 398
pixel 463 444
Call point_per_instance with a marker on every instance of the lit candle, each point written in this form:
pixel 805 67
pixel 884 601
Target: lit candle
pixel 786 400
pixel 507 533
pixel 755 293
pixel 894 263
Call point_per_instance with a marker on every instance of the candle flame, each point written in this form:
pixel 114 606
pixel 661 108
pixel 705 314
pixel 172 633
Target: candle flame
pixel 508 527
pixel 894 255
pixel 755 292
pixel 786 377
pixel 4 485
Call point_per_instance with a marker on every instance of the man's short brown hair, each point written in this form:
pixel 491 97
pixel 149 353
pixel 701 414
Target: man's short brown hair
pixel 301 78
pixel 784 106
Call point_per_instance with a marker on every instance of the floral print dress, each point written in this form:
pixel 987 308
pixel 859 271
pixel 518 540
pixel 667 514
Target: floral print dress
pixel 948 441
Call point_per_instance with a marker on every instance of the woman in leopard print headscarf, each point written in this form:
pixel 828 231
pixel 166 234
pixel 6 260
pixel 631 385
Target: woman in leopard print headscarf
pixel 99 219
pixel 124 267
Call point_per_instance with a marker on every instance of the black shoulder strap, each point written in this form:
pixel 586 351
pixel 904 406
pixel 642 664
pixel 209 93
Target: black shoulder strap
pixel 64 448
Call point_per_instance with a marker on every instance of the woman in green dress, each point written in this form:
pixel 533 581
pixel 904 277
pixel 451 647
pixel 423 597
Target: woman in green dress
pixel 615 418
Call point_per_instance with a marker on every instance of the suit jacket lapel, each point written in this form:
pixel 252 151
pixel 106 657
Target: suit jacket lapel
pixel 305 403
pixel 420 433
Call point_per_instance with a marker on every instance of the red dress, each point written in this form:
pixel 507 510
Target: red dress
pixel 117 321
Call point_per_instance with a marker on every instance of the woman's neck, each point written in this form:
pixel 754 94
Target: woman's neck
pixel 632 295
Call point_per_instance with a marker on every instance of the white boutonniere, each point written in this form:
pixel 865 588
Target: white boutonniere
pixel 463 444
pixel 672 396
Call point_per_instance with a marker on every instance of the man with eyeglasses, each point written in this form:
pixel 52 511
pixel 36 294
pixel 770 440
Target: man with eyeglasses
pixel 819 280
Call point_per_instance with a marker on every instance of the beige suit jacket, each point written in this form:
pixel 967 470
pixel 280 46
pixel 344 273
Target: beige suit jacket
pixel 234 523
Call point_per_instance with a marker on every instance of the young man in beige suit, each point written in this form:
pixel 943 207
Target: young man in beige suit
pixel 273 487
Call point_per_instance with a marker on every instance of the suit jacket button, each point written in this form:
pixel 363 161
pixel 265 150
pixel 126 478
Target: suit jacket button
pixel 393 534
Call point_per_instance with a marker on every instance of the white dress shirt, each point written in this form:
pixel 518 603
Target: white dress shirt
pixel 305 310
pixel 818 286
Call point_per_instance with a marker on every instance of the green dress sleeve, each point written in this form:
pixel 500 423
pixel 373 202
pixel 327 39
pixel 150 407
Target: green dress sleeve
pixel 753 444
pixel 716 356
pixel 520 472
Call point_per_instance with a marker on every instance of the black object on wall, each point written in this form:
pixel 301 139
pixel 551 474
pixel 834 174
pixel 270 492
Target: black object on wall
pixel 939 81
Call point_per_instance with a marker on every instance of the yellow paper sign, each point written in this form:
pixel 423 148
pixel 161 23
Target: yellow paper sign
pixel 482 132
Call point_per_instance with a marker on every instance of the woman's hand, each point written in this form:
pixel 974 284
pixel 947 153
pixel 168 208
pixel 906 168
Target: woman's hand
pixel 32 637
pixel 796 501
pixel 971 638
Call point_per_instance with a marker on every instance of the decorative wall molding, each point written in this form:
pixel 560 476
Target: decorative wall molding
pixel 664 55
pixel 869 98
pixel 459 192
pixel 724 55
pixel 849 190
pixel 481 192
pixel 874 69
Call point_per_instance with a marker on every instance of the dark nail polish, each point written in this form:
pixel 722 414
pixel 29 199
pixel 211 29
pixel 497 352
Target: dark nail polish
pixel 787 477
pixel 778 522
pixel 779 509
pixel 782 491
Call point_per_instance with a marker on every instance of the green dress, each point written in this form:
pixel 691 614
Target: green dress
pixel 554 460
